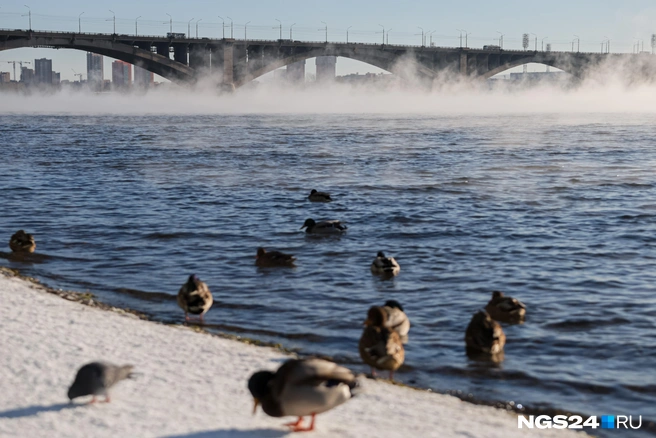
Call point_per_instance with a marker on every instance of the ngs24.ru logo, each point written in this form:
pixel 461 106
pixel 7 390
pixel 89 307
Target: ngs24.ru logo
pixel 577 422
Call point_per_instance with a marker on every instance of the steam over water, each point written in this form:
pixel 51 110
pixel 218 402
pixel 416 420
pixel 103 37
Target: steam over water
pixel 557 211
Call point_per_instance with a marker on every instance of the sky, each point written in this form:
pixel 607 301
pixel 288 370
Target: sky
pixel 557 22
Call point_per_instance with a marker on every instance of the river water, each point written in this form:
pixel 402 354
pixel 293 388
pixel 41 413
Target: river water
pixel 558 212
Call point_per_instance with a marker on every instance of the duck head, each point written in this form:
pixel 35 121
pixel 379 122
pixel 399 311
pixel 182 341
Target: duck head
pixel 497 294
pixel 313 192
pixel 193 280
pixel 259 387
pixel 260 252
pixel 308 223
pixel 376 317
pixel 394 304
pixel 380 254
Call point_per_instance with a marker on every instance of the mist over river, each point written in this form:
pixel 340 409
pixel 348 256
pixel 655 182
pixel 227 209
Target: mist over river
pixel 557 210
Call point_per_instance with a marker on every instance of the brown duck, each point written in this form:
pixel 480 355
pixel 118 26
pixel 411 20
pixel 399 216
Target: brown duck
pixel 195 297
pixel 22 242
pixel 484 335
pixel 380 347
pixel 266 258
pixel 505 309
pixel 302 387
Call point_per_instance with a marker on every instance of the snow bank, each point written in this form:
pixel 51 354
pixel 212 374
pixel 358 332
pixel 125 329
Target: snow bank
pixel 193 384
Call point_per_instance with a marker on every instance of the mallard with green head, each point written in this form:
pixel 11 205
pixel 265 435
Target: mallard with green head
pixel 319 196
pixel 323 227
pixel 266 258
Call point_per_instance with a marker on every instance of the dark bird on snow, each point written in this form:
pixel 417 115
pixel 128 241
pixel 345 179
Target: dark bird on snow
pixel 96 378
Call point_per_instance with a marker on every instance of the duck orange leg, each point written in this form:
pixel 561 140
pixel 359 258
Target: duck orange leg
pixel 298 423
pixel 310 428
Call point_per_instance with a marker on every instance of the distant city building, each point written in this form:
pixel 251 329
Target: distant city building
pixel 95 71
pixel 326 68
pixel 4 77
pixel 143 78
pixel 56 78
pixel 43 71
pixel 27 75
pixel 296 72
pixel 121 74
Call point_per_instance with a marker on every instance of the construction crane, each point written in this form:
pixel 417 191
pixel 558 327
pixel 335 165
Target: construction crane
pixel 21 64
pixel 77 74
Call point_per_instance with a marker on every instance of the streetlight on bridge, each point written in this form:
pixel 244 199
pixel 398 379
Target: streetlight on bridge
pixel 29 14
pixel 231 28
pixel 501 35
pixel 347 30
pixel 197 26
pixel 536 41
pixel 222 26
pixel 290 31
pixel 189 28
pixel 383 32
pixel 279 27
pixel 136 28
pixel 388 32
pixel 466 35
pixel 422 36
pixel 79 23
pixel 113 19
pixel 431 37
pixel 607 44
pixel 170 23
pixel 578 44
pixel 543 42
pixel 326 29
pixel 245 28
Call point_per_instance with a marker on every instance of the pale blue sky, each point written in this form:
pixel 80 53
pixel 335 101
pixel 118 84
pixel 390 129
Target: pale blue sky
pixel 559 20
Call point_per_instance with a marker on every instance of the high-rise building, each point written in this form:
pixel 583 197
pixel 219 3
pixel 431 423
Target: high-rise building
pixel 43 71
pixel 56 78
pixel 95 71
pixel 326 68
pixel 27 75
pixel 296 72
pixel 4 77
pixel 121 74
pixel 143 78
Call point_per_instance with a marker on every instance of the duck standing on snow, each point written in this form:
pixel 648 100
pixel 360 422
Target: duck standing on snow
pixel 195 297
pixel 323 227
pixel 380 347
pixel 21 242
pixel 397 320
pixel 384 265
pixel 302 387
pixel 484 335
pixel 96 378
pixel 266 258
pixel 505 309
pixel 319 196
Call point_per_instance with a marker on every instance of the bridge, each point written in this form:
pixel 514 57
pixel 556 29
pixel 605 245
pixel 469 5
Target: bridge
pixel 233 63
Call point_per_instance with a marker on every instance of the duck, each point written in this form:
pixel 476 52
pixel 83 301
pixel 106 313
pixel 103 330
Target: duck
pixel 319 196
pixel 505 309
pixel 380 347
pixel 384 265
pixel 22 242
pixel 324 227
pixel 397 320
pixel 266 258
pixel 484 335
pixel 195 297
pixel 96 378
pixel 302 387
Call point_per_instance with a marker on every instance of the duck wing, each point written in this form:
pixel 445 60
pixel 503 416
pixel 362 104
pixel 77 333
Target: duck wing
pixel 397 321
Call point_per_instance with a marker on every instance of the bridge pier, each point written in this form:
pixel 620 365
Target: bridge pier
pixel 180 53
pixel 228 82
pixel 463 63
pixel 199 59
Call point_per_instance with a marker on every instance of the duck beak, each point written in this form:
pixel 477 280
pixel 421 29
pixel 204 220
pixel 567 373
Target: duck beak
pixel 256 403
pixel 367 323
pixel 303 227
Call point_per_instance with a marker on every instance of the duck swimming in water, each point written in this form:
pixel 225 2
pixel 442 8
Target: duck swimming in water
pixel 380 347
pixel 302 387
pixel 266 258
pixel 324 227
pixel 319 196
pixel 21 242
pixel 484 335
pixel 195 297
pixel 384 265
pixel 505 309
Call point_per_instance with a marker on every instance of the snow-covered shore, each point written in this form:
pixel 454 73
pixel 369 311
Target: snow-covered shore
pixel 192 384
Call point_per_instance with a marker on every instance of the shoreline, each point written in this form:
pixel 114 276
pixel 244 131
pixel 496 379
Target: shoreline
pixel 191 385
